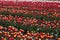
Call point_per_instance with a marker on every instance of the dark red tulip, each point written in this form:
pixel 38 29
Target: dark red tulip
pixel 11 39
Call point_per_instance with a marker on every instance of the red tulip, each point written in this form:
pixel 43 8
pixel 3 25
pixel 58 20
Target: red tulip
pixel 36 38
pixel 34 35
pixel 45 14
pixel 4 28
pixel 11 39
pixel 42 35
pixel 23 36
pixel 49 36
pixel 57 15
pixel 29 38
pixel 54 26
pixel 5 18
pixel 2 38
pixel 15 30
pixel 5 33
pixel 14 11
pixel 10 27
pixel 8 36
pixel 0 32
pixel 1 27
pixel 28 34
pixel 21 30
pixel 10 18
pixel 19 36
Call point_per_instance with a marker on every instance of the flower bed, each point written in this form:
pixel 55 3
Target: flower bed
pixel 30 20
pixel 11 33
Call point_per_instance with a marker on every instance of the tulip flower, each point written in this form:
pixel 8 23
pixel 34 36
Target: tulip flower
pixel 58 39
pixel 0 32
pixel 19 36
pixel 29 38
pixel 2 38
pixel 21 30
pixel 1 27
pixel 11 39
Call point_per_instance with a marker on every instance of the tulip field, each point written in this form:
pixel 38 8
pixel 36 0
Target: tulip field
pixel 29 20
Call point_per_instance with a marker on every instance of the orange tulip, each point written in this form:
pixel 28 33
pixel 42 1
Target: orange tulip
pixel 58 39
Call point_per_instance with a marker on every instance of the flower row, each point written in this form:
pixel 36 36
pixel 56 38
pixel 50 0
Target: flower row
pixel 34 13
pixel 12 33
pixel 39 4
pixel 54 6
pixel 29 21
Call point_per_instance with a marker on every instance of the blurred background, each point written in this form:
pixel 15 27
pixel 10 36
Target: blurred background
pixel 29 0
